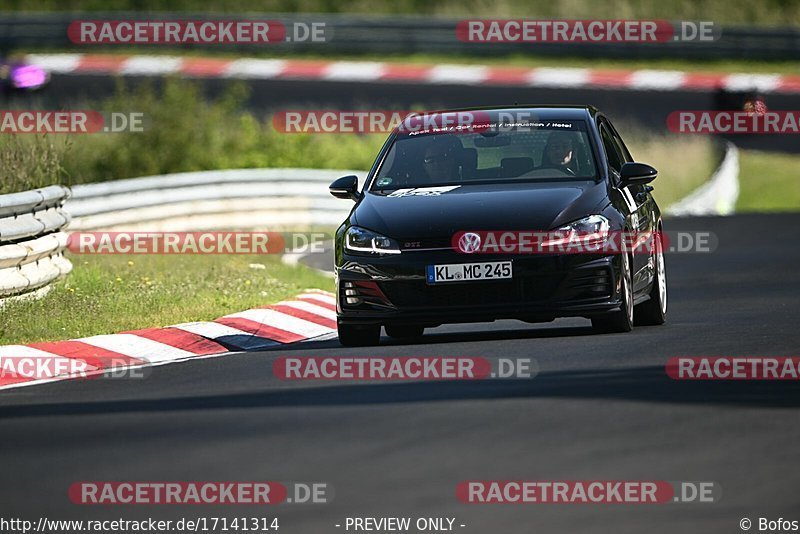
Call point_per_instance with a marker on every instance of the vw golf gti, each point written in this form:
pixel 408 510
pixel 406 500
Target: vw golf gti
pixel 412 254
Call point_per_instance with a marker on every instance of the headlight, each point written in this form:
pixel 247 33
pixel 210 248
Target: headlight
pixel 591 231
pixel 588 225
pixel 364 241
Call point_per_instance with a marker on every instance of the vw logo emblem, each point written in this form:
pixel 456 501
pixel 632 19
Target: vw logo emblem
pixel 469 243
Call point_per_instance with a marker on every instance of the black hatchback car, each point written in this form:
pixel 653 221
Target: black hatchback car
pixel 403 257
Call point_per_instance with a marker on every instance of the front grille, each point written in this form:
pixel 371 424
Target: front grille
pixel 532 284
pixel 413 293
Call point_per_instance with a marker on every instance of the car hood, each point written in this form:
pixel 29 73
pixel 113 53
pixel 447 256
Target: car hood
pixel 439 212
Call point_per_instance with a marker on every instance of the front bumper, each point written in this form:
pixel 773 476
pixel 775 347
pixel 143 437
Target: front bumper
pixel 393 289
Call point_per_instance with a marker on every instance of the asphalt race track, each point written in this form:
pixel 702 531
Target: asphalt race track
pixel 601 408
pixel 648 109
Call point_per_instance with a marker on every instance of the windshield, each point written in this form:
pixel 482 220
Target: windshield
pixel 550 151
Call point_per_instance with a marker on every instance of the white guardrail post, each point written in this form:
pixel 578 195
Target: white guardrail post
pixel 32 241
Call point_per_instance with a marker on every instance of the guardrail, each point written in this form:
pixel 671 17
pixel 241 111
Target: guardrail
pixel 258 199
pixel 412 34
pixel 32 241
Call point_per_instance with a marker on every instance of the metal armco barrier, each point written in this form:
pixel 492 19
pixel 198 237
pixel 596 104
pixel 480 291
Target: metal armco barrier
pixel 718 195
pixel 258 199
pixel 32 240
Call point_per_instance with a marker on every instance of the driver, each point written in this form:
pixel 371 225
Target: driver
pixel 441 159
pixel 559 153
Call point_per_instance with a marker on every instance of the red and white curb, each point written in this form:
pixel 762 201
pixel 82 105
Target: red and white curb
pixel 311 315
pixel 368 71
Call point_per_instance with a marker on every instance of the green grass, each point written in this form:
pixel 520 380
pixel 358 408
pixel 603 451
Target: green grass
pixel 28 162
pixel 107 294
pixel 766 12
pixel 768 182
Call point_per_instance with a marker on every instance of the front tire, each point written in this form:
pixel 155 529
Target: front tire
pixel 351 335
pixel 654 310
pixel 622 320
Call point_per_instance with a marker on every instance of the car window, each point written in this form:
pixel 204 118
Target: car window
pixel 620 143
pixel 613 152
pixel 552 150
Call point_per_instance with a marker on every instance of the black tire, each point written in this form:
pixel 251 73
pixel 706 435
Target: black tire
pixel 654 310
pixel 351 335
pixel 622 320
pixel 404 331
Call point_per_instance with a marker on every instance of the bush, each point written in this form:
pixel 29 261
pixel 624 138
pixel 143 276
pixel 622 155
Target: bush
pixel 185 132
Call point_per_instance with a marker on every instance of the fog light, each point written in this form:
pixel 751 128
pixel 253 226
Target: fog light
pixel 352 300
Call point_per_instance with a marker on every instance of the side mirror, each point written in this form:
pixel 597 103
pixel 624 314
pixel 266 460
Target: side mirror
pixel 637 174
pixel 345 187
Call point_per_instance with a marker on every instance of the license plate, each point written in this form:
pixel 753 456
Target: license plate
pixel 468 272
